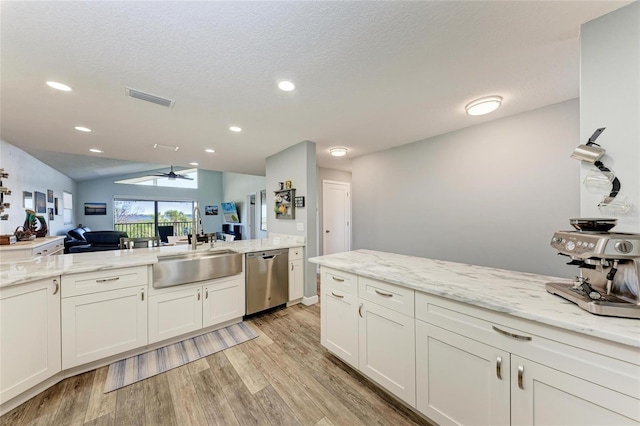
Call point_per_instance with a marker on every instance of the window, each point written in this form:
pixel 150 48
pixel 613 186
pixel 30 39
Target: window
pixel 67 207
pixel 141 218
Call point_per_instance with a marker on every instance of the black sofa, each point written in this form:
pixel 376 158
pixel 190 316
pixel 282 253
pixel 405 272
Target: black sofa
pixel 99 241
pixel 75 237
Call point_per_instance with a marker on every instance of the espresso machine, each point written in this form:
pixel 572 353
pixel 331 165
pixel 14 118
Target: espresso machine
pixel 608 268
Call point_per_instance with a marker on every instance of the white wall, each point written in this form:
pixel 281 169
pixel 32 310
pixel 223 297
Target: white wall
pixel 236 187
pixel 27 173
pixel 327 174
pixel 610 97
pixel 297 164
pixel 492 194
pixel 103 190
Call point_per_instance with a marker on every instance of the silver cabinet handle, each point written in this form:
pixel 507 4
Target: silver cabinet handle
pixel 206 293
pixel 108 279
pixel 292 266
pixel 360 311
pixel 521 377
pixel 338 279
pixel 382 293
pixel 339 296
pixel 57 287
pixel 198 294
pixel 499 367
pixel 142 294
pixel 515 336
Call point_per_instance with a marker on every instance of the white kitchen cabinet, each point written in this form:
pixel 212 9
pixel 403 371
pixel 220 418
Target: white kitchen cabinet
pixel 366 326
pixel 224 300
pixel 339 328
pixel 296 274
pixel 460 381
pixel 544 396
pixel 175 312
pixel 46 246
pixel 182 309
pixel 387 349
pixel 478 367
pixel 29 335
pixel 104 313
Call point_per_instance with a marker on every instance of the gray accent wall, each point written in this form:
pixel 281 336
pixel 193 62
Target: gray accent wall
pixel 491 194
pixel 610 97
pixel 297 164
pixel 26 173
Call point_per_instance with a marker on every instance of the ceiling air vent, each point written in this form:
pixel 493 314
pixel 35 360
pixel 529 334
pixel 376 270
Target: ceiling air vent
pixel 133 93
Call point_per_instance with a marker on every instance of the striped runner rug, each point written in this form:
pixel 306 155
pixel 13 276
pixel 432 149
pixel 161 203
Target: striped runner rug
pixel 130 370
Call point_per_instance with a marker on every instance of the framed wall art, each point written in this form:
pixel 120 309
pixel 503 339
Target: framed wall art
pixel 95 209
pixel 41 202
pixel 49 196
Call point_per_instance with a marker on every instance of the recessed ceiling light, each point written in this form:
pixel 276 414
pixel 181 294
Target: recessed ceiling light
pixel 97 151
pixel 58 86
pixel 338 152
pixel 209 150
pixel 83 129
pixel 235 129
pixel 286 86
pixel 483 106
pixel 194 164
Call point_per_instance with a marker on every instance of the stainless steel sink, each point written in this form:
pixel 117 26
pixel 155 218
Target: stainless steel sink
pixel 186 268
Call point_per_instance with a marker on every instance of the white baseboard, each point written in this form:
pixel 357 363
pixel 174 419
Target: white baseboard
pixel 307 301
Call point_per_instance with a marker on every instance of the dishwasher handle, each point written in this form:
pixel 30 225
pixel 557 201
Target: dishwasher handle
pixel 269 257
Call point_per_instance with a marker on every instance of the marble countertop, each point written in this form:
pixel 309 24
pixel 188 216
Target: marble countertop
pixel 22 245
pixel 515 293
pixel 21 271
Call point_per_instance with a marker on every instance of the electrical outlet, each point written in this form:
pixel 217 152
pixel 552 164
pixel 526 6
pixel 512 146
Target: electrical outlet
pixel 300 226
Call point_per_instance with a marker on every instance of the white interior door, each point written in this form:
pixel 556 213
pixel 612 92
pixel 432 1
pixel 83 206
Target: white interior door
pixel 336 217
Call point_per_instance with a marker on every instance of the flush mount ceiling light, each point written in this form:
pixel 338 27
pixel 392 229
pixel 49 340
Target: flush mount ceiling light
pixel 286 86
pixel 168 147
pixel 96 150
pixel 58 86
pixel 209 150
pixel 83 129
pixel 338 152
pixel 235 129
pixel 484 106
pixel 194 164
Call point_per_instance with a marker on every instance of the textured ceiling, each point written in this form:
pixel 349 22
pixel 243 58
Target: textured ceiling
pixel 369 75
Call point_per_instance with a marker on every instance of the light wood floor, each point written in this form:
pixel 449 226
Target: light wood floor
pixel 284 377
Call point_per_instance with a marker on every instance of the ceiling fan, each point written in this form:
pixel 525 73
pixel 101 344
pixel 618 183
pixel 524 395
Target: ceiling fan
pixel 172 175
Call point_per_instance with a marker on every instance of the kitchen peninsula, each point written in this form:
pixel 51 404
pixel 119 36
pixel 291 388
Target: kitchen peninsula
pixel 63 315
pixel 436 333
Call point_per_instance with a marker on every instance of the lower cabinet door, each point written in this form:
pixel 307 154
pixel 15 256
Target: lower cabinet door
pixel 543 396
pixel 99 325
pixel 387 349
pixel 296 280
pixel 339 329
pixel 223 301
pixel 29 335
pixel 174 313
pixel 460 381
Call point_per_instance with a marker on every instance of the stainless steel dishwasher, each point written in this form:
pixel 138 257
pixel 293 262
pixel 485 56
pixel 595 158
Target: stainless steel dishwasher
pixel 267 279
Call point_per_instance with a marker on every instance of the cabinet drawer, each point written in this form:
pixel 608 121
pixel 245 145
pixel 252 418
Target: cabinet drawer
pixel 48 249
pixel 391 296
pixel 343 281
pixel 94 282
pixel 295 253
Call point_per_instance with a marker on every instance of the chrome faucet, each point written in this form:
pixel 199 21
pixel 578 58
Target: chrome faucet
pixel 194 226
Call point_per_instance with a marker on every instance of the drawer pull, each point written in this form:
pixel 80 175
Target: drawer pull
pixel 337 295
pixel 57 287
pixel 515 336
pixel 142 294
pixel 340 280
pixel 382 293
pixel 521 377
pixel 360 311
pixel 499 367
pixel 104 280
